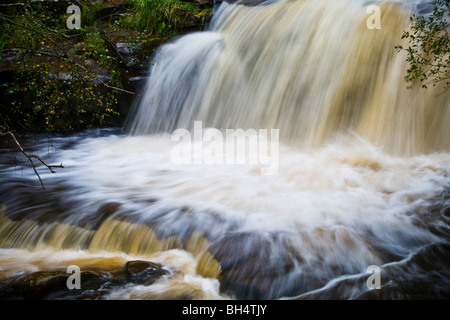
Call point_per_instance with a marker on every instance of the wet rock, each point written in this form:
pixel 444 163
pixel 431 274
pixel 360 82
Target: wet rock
pixel 143 272
pixel 6 290
pixel 43 285
pixel 257 266
pixel 92 280
pixel 128 49
pixel 93 285
pixel 52 285
pixel 136 83
pixel 37 285
pixel 105 211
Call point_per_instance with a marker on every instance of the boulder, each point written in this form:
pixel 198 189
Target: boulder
pixel 143 272
pixel 36 285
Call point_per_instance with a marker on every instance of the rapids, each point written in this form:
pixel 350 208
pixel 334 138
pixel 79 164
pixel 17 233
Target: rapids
pixel 362 176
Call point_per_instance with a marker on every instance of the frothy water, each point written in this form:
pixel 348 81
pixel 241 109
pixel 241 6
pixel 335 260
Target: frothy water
pixel 326 214
pixel 363 176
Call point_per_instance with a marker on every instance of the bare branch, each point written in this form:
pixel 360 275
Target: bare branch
pixel 30 159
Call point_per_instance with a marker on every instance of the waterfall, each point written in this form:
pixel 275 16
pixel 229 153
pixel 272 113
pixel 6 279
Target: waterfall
pixel 362 180
pixel 312 69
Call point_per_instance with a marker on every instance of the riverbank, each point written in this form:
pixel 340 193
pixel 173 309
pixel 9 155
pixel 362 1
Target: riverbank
pixel 55 79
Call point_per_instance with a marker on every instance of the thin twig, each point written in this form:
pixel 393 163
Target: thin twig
pixel 31 156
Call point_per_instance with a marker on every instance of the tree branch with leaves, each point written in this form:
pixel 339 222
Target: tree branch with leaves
pixel 63 80
pixel 428 53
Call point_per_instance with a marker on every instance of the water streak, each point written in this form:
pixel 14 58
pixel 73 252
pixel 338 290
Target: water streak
pixel 312 69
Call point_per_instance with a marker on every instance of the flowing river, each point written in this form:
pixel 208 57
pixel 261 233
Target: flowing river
pixel 359 167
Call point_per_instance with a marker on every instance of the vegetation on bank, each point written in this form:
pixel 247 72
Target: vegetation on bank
pixel 428 53
pixel 60 79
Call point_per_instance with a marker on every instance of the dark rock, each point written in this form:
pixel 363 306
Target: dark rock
pixel 105 211
pixel 53 285
pixel 6 290
pixel 93 285
pixel 260 269
pixel 37 285
pixel 143 272
pixel 128 48
pixel 137 83
pixel 91 280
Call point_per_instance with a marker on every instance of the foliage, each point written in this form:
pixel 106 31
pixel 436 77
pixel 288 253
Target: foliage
pixel 53 88
pixel 428 53
pixel 164 17
pixel 66 79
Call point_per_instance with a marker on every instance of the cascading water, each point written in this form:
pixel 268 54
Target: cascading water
pixel 309 68
pixel 362 177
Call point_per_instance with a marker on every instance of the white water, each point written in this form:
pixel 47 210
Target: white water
pixel 337 207
pixel 311 69
pixel 362 163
